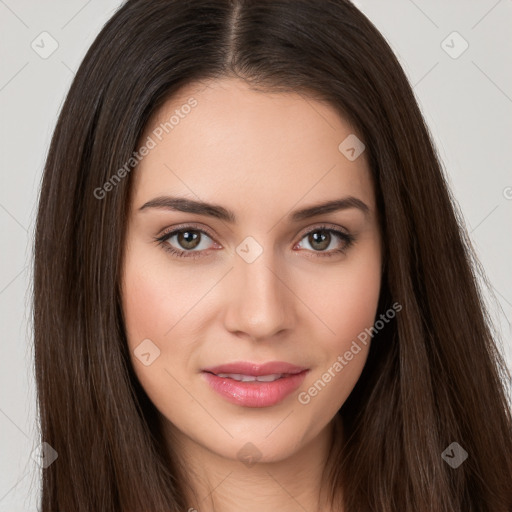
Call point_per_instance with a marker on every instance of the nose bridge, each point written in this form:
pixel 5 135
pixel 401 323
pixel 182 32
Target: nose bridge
pixel 259 303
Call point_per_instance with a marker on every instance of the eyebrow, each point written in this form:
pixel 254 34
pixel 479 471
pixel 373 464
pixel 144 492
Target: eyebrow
pixel 183 204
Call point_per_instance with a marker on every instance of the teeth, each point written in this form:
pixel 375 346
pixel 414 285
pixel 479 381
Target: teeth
pixel 269 378
pixel 250 378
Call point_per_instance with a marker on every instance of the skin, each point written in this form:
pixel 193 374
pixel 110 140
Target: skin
pixel 261 156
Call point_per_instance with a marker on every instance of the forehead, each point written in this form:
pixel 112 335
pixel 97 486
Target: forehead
pixel 221 140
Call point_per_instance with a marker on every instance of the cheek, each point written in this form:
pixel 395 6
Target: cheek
pixel 347 304
pixel 346 299
pixel 144 305
pixel 152 308
pixel 156 298
pixel 354 304
pixel 155 304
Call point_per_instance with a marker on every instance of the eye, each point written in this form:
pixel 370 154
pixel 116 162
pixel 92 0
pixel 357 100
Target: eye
pixel 185 242
pixel 327 241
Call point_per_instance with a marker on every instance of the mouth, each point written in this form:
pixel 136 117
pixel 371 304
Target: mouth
pixel 255 385
pixel 251 378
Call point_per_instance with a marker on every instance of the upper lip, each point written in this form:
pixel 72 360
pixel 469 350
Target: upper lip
pixel 255 369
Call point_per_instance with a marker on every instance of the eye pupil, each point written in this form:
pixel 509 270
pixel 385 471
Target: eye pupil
pixel 188 239
pixel 324 239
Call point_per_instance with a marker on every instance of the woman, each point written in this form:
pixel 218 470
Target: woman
pixel 252 291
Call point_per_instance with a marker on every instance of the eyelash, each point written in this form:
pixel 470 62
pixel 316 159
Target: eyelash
pixel 346 237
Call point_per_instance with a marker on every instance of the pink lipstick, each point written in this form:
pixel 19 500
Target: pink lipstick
pixel 253 384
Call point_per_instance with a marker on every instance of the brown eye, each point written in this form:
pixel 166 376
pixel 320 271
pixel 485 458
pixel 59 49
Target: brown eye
pixel 326 241
pixel 186 242
pixel 319 239
pixel 188 239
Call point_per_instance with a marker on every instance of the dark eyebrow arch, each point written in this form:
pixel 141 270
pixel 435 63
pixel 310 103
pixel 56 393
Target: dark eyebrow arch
pixel 183 204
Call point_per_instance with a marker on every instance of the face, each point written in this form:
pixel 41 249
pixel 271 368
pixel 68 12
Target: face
pixel 243 302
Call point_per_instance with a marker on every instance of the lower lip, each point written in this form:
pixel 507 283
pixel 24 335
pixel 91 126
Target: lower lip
pixel 255 394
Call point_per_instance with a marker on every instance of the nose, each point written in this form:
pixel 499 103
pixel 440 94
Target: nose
pixel 259 302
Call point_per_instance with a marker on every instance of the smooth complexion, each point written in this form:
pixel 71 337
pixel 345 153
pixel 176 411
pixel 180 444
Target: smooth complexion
pixel 261 157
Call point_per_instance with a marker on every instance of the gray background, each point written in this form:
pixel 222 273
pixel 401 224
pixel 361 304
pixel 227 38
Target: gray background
pixel 467 103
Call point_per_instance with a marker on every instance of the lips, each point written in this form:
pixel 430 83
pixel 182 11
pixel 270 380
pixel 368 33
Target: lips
pixel 255 369
pixel 255 385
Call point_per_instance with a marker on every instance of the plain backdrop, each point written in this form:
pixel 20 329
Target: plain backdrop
pixel 456 53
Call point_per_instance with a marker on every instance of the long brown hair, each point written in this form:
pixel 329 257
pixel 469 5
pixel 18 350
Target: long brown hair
pixel 434 376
